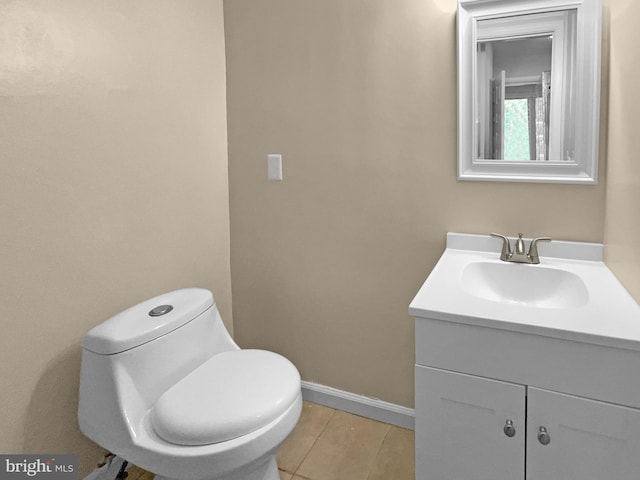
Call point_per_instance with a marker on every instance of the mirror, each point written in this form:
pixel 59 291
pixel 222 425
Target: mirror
pixel 528 90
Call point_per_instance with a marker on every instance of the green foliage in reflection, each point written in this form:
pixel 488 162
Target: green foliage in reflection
pixel 516 129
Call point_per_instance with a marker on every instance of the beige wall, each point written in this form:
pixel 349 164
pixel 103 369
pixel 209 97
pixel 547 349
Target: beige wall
pixel 622 228
pixel 360 98
pixel 113 187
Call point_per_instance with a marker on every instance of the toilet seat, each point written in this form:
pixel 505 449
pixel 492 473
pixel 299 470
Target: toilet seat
pixel 232 394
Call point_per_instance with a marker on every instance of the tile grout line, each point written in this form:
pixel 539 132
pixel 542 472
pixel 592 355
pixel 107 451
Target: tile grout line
pixel 313 445
pixel 379 450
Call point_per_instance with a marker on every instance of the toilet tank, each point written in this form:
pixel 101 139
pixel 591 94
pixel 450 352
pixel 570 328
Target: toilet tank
pixel 131 359
pixel 147 321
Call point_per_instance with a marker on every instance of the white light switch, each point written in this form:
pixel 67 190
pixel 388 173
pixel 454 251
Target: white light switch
pixel 274 166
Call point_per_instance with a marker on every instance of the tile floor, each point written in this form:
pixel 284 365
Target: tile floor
pixel 330 444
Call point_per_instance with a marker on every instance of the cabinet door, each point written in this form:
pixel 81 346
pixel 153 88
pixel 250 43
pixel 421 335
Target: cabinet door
pixel 460 422
pixel 588 440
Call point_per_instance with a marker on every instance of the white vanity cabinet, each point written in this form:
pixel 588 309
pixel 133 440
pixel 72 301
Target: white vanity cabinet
pixel 473 428
pixel 526 372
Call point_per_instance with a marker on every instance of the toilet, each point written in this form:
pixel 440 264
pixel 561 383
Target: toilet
pixel 164 386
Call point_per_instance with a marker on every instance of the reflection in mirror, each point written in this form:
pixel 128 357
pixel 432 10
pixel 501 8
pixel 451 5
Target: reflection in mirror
pixel 513 98
pixel 523 87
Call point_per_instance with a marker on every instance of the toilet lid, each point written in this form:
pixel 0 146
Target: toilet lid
pixel 232 394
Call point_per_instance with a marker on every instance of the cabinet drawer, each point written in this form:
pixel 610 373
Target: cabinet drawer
pixel 583 369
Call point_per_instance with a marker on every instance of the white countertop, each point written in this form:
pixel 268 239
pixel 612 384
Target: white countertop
pixel 609 317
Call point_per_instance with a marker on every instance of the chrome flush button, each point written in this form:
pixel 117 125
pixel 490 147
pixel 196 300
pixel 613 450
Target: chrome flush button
pixel 160 310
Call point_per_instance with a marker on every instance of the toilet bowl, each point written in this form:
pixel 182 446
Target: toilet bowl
pixel 164 386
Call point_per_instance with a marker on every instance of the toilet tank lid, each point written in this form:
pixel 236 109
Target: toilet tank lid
pixel 147 321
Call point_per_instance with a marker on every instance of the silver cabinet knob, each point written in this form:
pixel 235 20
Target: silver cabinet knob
pixel 509 429
pixel 543 436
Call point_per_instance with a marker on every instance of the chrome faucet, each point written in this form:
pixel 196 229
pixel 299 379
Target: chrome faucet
pixel 519 255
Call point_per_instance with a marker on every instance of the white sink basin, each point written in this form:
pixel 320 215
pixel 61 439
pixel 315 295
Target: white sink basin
pixel 528 285
pixel 570 295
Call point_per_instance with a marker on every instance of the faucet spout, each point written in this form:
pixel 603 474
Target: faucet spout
pixel 520 254
pixel 520 245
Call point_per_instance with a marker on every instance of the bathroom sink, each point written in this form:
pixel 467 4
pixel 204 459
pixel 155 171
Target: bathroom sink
pixel 527 285
pixel 571 294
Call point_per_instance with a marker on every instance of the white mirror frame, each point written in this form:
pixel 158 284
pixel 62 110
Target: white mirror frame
pixel 583 169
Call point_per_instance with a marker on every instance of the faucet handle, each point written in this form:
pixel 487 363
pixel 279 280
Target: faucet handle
pixel 533 249
pixel 506 247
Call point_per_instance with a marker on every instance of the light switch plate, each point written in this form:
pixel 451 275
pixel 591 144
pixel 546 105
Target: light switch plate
pixel 274 166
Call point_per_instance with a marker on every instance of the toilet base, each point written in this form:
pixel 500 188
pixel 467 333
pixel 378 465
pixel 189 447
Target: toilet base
pixel 265 470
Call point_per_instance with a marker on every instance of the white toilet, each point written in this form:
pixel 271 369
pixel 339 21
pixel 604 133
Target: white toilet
pixel 164 386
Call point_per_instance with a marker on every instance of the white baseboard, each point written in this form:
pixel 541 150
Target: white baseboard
pixel 359 405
